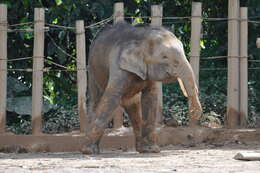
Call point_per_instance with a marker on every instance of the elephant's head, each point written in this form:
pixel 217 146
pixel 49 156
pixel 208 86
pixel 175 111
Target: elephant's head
pixel 160 56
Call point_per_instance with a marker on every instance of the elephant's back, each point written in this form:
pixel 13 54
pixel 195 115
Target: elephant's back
pixel 100 54
pixel 107 45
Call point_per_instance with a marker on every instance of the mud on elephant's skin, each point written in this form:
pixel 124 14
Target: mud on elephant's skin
pixel 125 65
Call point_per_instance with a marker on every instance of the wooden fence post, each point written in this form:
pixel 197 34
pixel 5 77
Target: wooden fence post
pixel 38 63
pixel 118 12
pixel 81 73
pixel 157 14
pixel 195 38
pixel 243 67
pixel 118 16
pixel 233 65
pixel 3 65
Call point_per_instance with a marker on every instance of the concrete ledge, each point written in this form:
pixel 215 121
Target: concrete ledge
pixel 124 139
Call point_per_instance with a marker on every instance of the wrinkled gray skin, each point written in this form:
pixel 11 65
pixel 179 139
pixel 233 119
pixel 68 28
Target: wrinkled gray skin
pixel 125 64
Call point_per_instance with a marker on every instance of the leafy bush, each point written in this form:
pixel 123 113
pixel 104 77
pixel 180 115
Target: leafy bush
pixel 55 121
pixel 60 87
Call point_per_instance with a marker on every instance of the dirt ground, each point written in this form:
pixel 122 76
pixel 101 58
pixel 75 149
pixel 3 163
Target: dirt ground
pixel 198 159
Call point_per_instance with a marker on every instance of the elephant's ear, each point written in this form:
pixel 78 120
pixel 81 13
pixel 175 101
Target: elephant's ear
pixel 132 60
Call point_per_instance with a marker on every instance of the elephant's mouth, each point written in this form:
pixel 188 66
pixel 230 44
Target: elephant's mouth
pixel 169 78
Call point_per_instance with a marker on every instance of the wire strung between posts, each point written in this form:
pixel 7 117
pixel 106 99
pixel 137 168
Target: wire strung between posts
pixel 213 69
pixel 201 17
pixel 60 26
pixel 224 69
pixel 147 17
pixel 20 24
pixel 43 70
pixel 224 57
pixel 56 45
pixel 56 64
pixel 253 60
pixel 254 22
pixel 18 59
pixel 63 51
pixel 20 30
pixel 102 22
pixel 254 68
pixel 212 57
pixel 25 30
pixel 105 21
pixel 21 70
pixel 175 22
pixel 15 59
pixel 216 57
pixel 47 69
pixel 187 17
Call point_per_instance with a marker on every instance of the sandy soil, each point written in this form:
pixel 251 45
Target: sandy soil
pixel 199 159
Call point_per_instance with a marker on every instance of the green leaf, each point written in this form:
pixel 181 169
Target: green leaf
pixel 58 2
pixel 138 20
pixel 55 21
pixel 202 45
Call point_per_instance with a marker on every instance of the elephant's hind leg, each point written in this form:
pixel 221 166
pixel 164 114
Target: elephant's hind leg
pixel 103 114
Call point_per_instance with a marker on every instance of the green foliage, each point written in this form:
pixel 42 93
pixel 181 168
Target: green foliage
pixel 54 121
pixel 61 120
pixel 210 119
pixel 174 103
pixel 60 92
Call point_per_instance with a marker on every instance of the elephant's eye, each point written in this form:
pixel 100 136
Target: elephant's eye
pixel 165 57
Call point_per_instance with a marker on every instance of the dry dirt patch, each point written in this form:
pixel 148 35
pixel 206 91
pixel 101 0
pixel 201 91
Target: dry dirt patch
pixel 199 159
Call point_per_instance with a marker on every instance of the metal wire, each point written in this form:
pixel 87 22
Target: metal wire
pixel 60 26
pixel 20 30
pixel 216 57
pixel 20 24
pixel 56 64
pixel 213 69
pixel 15 59
pixel 252 21
pixel 102 22
pixel 56 45
pixel 105 21
pixel 46 69
pixel 254 60
pixel 254 68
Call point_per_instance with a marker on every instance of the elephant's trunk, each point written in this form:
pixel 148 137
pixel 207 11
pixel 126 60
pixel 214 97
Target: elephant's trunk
pixel 187 82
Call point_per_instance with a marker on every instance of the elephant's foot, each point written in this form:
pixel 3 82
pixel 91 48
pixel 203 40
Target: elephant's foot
pixel 143 146
pixel 148 149
pixel 90 149
pixel 92 140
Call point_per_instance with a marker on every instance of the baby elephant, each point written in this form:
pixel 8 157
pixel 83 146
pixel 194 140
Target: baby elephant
pixel 125 65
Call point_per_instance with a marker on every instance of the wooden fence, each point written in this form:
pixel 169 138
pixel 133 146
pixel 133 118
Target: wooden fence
pixel 237 63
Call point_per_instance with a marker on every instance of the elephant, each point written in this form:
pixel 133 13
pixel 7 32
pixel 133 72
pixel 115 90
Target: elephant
pixel 125 65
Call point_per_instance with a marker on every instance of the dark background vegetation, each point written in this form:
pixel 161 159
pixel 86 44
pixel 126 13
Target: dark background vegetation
pixel 60 93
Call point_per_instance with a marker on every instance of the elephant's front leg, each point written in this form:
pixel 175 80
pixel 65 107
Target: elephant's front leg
pixel 133 109
pixel 103 113
pixel 149 111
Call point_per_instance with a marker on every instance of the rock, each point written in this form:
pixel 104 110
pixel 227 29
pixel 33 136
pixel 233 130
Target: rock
pixel 171 122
